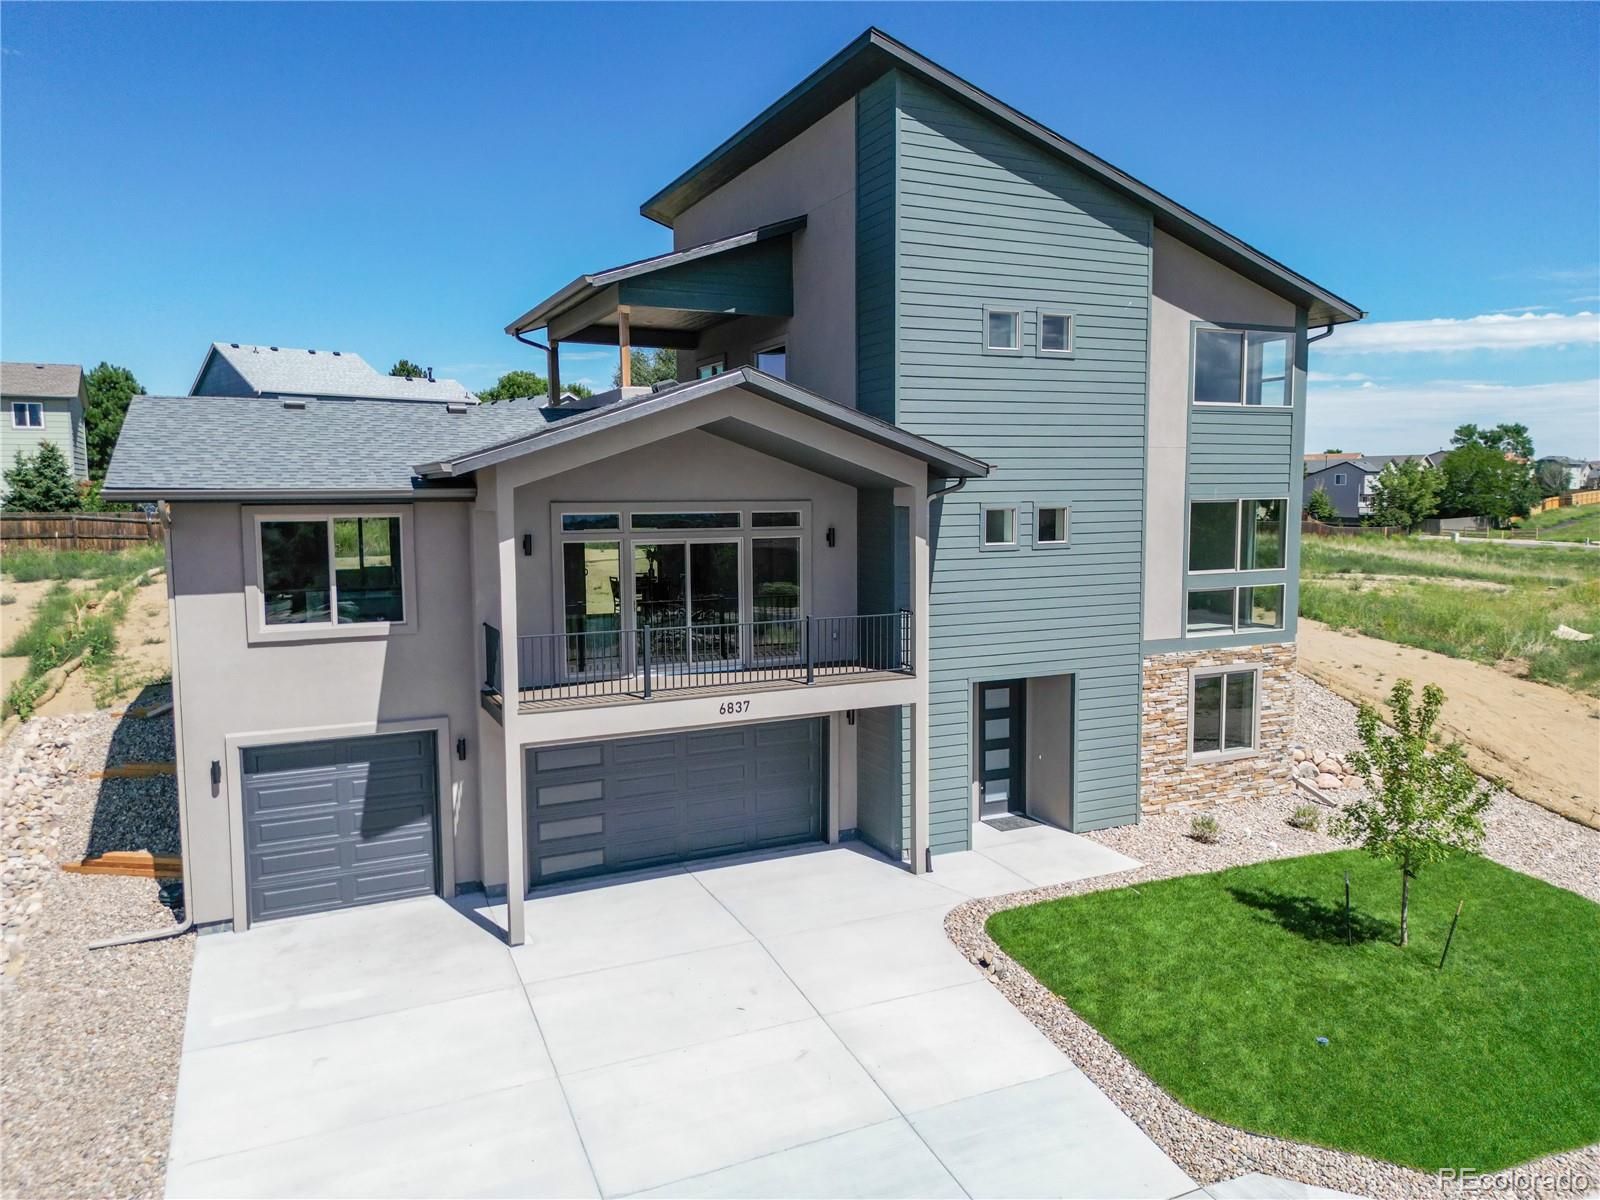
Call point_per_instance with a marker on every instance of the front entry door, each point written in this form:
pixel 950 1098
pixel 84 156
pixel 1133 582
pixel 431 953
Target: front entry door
pixel 1000 749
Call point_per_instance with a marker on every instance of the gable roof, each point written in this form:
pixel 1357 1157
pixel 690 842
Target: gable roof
pixel 634 403
pixel 262 448
pixel 285 371
pixel 874 53
pixel 40 381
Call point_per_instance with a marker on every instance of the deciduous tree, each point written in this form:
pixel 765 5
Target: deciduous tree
pixel 1480 481
pixel 1406 493
pixel 1422 804
pixel 406 369
pixel 649 367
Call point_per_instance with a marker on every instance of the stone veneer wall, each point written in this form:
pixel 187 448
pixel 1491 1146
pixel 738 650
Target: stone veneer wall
pixel 1167 779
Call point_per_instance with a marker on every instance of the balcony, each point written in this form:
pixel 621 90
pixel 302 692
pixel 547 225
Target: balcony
pixel 636 665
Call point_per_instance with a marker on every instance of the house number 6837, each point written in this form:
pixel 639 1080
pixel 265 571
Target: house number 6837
pixel 732 708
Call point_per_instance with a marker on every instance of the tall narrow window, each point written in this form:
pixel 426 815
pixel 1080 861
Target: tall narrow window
pixel 1261 535
pixel 1213 531
pixel 294 572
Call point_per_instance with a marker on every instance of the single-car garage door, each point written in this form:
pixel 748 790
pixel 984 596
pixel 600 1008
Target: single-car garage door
pixel 638 802
pixel 336 823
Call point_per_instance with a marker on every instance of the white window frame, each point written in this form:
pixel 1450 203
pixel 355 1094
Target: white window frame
pixel 1071 331
pixel 1015 510
pixel 28 409
pixel 1065 539
pixel 1021 334
pixel 256 628
pixel 1237 628
pixel 1244 332
pixel 1196 674
pixel 1238 536
pixel 1339 479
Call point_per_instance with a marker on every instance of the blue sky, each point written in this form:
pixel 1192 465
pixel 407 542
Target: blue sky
pixel 401 181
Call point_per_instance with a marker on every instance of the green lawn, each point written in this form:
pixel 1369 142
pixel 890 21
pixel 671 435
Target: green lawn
pixel 1219 985
pixel 1563 524
pixel 1475 600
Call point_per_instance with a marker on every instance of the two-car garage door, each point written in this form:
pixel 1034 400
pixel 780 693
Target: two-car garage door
pixel 330 824
pixel 627 803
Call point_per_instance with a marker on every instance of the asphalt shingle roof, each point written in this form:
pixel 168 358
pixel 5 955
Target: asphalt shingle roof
pixel 281 370
pixel 42 381
pixel 176 445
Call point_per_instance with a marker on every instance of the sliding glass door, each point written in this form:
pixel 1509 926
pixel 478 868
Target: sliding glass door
pixel 687 595
pixel 775 600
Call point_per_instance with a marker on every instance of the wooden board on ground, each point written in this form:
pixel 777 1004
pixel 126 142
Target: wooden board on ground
pixel 140 864
pixel 1543 741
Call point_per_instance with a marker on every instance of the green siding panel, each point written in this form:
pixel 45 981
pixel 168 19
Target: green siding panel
pixel 756 280
pixel 876 127
pixel 980 217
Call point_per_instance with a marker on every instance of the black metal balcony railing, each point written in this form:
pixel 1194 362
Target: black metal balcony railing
pixel 645 662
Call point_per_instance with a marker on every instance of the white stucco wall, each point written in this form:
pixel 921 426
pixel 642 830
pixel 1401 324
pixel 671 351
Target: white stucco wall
pixel 814 175
pixel 1187 287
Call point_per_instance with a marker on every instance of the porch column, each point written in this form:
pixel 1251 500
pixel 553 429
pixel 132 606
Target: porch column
pixel 625 345
pixel 554 358
pixel 921 569
pixel 510 690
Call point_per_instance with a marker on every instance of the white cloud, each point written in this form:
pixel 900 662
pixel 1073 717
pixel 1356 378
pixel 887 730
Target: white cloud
pixel 1494 331
pixel 1415 418
pixel 1348 377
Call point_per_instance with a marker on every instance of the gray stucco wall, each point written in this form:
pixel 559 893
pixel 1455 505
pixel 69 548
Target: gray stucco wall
pixel 1210 452
pixel 700 470
pixel 228 687
pixel 812 175
pixel 980 217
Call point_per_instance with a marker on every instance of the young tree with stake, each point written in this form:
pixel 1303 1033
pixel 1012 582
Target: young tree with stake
pixel 1422 805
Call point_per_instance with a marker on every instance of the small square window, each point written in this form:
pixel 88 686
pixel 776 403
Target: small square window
pixel 27 414
pixel 712 367
pixel 1050 525
pixel 1002 329
pixel 1338 479
pixel 1000 526
pixel 1055 333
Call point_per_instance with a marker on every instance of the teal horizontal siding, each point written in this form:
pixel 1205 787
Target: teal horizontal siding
pixel 756 279
pixel 982 218
pixel 1241 452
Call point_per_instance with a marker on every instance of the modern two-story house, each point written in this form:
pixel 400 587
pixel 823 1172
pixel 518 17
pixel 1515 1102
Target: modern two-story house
pixel 974 500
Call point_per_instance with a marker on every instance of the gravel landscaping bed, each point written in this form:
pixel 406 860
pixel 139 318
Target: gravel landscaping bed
pixel 1520 835
pixel 92 1038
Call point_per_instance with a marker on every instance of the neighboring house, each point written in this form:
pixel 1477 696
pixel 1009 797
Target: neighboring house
pixel 232 369
pixel 1349 480
pixel 1575 469
pixel 43 402
pixel 976 499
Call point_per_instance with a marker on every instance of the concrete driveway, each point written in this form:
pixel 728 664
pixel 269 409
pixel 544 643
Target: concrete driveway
pixel 794 1025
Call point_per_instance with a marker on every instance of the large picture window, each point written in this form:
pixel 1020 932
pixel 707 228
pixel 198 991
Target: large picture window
pixel 1222 713
pixel 331 571
pixel 1248 367
pixel 1237 535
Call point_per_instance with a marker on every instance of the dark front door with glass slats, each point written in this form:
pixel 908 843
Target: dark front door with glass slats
pixel 1000 748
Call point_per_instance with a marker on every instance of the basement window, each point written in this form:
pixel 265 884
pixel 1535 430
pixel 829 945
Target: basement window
pixel 1223 713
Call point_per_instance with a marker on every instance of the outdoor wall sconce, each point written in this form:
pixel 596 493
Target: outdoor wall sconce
pixel 831 538
pixel 527 545
pixel 461 749
pixel 850 716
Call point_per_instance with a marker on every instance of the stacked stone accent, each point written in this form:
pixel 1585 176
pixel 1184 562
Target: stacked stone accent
pixel 1167 779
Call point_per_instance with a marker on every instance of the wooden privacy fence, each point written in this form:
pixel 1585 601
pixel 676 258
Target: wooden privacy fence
pixel 77 531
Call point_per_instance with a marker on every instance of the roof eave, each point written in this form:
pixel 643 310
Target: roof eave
pixel 874 52
pixel 286 495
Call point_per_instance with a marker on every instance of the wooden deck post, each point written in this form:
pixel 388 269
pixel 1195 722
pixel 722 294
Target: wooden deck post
pixel 625 345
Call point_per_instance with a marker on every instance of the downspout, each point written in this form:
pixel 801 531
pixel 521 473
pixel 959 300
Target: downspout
pixel 184 926
pixel 1325 332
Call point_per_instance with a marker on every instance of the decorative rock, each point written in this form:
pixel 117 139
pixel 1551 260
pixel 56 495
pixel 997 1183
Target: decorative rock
pixel 1329 782
pixel 1299 755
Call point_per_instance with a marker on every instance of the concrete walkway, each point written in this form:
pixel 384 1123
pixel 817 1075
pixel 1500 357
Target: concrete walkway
pixel 792 1025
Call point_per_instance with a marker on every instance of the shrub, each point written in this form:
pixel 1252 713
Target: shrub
pixel 1306 816
pixel 42 482
pixel 1204 828
pixel 1320 507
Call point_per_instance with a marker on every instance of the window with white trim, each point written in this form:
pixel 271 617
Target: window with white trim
pixel 331 571
pixel 1002 329
pixel 1055 333
pixel 1339 478
pixel 999 525
pixel 1222 712
pixel 27 414
pixel 1050 525
pixel 1248 367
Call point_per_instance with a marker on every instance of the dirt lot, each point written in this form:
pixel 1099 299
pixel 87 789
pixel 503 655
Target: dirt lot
pixel 1543 741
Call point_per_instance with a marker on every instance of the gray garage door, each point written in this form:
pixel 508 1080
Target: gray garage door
pixel 637 802
pixel 337 823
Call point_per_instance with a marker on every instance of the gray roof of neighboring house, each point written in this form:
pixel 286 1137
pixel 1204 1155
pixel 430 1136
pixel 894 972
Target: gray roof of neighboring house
pixel 1565 461
pixel 874 53
pixel 229 447
pixel 1371 463
pixel 40 381
pixel 284 371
